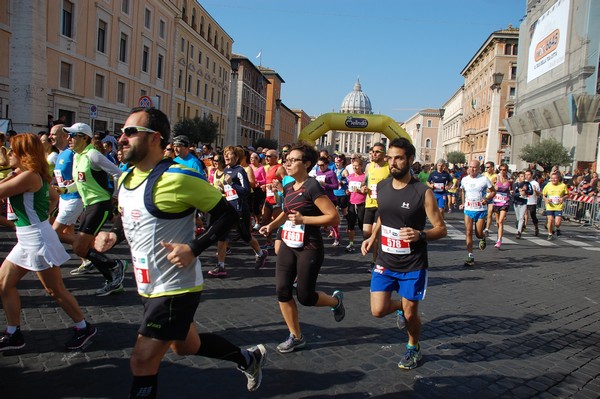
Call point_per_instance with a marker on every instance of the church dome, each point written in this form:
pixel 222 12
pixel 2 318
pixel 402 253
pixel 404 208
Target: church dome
pixel 356 102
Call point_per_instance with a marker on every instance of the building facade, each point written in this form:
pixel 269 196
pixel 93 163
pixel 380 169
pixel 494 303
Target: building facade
pixel 558 83
pixel 452 125
pixel 488 97
pixel 92 62
pixel 423 128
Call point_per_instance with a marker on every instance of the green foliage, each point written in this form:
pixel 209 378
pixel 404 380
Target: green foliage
pixel 199 130
pixel 265 143
pixel 456 157
pixel 546 153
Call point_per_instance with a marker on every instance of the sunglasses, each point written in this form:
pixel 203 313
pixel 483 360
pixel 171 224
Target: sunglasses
pixel 131 130
pixel 271 156
pixel 73 135
pixel 168 149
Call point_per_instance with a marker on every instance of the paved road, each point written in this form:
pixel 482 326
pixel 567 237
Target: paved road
pixel 523 323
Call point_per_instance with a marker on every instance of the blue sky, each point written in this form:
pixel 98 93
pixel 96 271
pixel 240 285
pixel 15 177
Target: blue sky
pixel 408 54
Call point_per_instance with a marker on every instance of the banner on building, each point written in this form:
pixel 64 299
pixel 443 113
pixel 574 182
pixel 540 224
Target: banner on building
pixel 548 40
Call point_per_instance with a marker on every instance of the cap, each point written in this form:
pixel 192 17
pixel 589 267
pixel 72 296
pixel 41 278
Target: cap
pixel 251 148
pixel 182 141
pixel 80 128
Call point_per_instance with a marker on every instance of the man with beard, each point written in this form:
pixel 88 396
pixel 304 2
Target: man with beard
pixel 404 206
pixel 157 201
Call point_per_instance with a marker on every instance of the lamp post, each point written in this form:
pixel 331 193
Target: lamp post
pixel 277 116
pixel 234 122
pixel 418 142
pixel 439 150
pixel 493 140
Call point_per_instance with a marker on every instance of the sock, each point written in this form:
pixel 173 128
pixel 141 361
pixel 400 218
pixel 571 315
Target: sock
pixel 144 387
pixel 217 347
pixel 102 262
pixel 414 347
pixel 471 255
pixel 81 325
pixel 351 243
pixel 221 264
pixel 11 329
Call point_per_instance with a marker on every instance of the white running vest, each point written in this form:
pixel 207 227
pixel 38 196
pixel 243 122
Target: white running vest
pixel 155 275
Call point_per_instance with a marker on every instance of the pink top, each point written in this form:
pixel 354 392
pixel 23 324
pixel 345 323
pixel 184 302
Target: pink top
pixel 356 197
pixel 260 175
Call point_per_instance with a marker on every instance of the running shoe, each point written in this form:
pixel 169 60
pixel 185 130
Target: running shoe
pixel 118 272
pixel 550 237
pixel 482 244
pixel 339 312
pixel 291 344
pixel 261 259
pixel 350 249
pixel 470 261
pixel 336 243
pixel 253 372
pixel 12 341
pixel 256 226
pixel 81 337
pixel 558 233
pixel 400 320
pixel 218 271
pixel 518 236
pixel 498 244
pixel 411 357
pixel 486 233
pixel 86 267
pixel 110 287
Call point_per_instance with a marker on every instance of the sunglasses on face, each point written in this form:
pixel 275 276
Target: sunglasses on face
pixel 73 135
pixel 129 131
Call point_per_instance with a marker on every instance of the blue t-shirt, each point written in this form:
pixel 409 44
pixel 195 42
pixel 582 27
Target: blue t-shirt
pixel 63 171
pixel 193 163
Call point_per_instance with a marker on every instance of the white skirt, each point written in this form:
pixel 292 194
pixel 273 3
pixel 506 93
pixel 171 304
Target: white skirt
pixel 38 248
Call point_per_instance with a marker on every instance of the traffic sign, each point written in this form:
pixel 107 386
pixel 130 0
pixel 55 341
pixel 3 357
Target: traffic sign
pixel 93 112
pixel 145 102
pixel 480 157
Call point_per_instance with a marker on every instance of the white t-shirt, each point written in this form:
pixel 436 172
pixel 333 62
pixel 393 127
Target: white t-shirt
pixel 475 190
pixel 532 199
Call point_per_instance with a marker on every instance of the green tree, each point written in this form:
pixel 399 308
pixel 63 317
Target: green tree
pixel 456 157
pixel 199 130
pixel 265 143
pixel 546 153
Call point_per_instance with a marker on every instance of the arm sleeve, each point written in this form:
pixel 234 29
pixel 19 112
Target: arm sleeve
pixel 222 217
pixel 99 161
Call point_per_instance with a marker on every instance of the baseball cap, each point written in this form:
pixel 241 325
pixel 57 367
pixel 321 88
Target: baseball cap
pixel 80 128
pixel 181 140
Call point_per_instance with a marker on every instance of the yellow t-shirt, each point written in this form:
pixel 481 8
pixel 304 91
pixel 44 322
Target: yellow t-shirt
pixel 374 176
pixel 554 193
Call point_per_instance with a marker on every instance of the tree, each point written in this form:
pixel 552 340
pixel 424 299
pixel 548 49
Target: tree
pixel 546 153
pixel 456 157
pixel 198 130
pixel 265 143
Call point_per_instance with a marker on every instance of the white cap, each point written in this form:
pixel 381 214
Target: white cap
pixel 80 128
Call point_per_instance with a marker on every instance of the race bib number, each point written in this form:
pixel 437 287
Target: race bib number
pixel 59 179
pixel 391 242
pixel 554 200
pixel 10 213
pixel 439 187
pixel 270 192
pixel 501 199
pixel 354 186
pixel 373 188
pixel 293 234
pixel 473 204
pixel 320 178
pixel 140 267
pixel 230 193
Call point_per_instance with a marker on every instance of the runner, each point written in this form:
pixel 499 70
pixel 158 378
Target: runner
pixel 522 191
pixel 157 201
pixel 358 196
pixel 490 173
pixel 402 262
pixel 38 248
pixel 306 209
pixel 501 201
pixel 532 201
pixel 476 192
pixel 554 194
pixel 438 181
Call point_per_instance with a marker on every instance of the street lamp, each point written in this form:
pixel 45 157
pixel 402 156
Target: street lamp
pixel 493 140
pixel 418 141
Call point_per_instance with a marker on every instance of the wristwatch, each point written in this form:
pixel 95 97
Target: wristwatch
pixel 422 235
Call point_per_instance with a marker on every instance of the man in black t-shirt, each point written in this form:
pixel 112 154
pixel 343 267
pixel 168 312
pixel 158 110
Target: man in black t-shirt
pixel 404 205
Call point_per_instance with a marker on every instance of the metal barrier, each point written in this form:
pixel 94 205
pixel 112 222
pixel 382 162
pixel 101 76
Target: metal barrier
pixel 583 209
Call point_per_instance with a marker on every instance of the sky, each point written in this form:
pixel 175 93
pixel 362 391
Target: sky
pixel 408 54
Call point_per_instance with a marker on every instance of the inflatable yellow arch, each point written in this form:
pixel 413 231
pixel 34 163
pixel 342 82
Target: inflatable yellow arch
pixel 352 123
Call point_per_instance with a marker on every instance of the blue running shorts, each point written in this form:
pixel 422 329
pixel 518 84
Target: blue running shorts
pixel 441 200
pixel 476 215
pixel 554 213
pixel 409 285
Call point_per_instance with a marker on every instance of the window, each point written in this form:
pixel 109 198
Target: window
pixel 512 91
pixel 205 91
pixel 121 92
pixel 189 84
pixel 513 71
pixel 194 19
pixel 101 47
pixel 207 61
pixel 180 79
pixel 143 92
pixel 159 66
pixel 125 6
pixel 182 44
pixel 161 29
pixel 123 48
pixel 148 18
pixel 429 123
pixel 191 52
pixel 428 143
pixel 145 55
pixel 99 89
pixel 67 18
pixel 198 88
pixel 66 70
pixel 212 94
pixel 199 57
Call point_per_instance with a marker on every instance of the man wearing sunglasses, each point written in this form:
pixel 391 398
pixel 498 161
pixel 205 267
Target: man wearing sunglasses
pixel 91 174
pixel 157 202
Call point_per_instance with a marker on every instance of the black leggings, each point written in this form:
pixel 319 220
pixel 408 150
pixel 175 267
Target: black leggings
pixel 356 212
pixel 533 213
pixel 305 263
